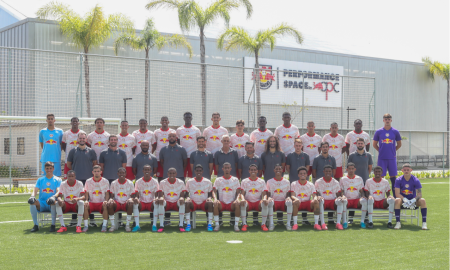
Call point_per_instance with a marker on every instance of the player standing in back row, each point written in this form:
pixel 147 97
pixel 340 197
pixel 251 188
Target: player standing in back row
pixel 260 136
pixel 352 137
pixel 239 139
pixel 127 143
pixel 213 135
pixel 98 139
pixel 161 140
pixel 286 134
pixel 187 137
pixel 387 141
pixel 50 140
pixel 337 148
pixel 143 134
pixel 70 141
pixel 311 144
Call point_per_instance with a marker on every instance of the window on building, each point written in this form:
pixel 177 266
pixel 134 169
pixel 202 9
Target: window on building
pixel 21 145
pixel 6 146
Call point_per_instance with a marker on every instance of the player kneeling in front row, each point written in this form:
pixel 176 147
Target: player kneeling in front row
pixel 173 199
pixel 72 194
pixel 97 192
pixel 146 191
pixel 379 193
pixel 229 191
pixel 332 197
pixel 352 187
pixel 122 193
pixel 200 192
pixel 254 196
pixel 408 191
pixel 279 197
pixel 301 193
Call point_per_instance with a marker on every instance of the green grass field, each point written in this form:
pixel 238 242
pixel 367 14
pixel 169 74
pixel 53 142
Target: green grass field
pixel 379 248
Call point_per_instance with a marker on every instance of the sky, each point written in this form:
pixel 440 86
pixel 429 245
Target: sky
pixel 394 29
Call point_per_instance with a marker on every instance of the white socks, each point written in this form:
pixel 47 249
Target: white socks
pixel 295 219
pixel 181 213
pixel 60 214
pixel 391 202
pixel 111 218
pixel 210 217
pixel 264 213
pixel 80 212
pixel 344 211
pixel 161 213
pixel 340 208
pixel 216 219
pixel 363 209
pixel 370 209
pixel 289 212
pixel 322 218
pixel 244 214
pixel 135 214
pixel 155 214
pixel 316 219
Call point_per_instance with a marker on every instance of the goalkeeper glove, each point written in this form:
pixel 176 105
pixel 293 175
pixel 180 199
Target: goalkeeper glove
pixel 31 200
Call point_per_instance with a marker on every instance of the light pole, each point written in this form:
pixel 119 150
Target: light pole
pixel 125 108
pixel 348 114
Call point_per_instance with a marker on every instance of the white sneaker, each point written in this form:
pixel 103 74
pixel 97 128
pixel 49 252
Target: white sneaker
pixel 398 226
pixel 424 226
pixel 236 228
pixel 271 227
pixel 216 228
pixel 288 227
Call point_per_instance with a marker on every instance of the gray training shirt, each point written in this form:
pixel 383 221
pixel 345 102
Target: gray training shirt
pixel 112 161
pixel 82 162
pixel 203 158
pixel 362 163
pixel 173 157
pixel 245 162
pixel 320 162
pixel 296 161
pixel 231 157
pixel 269 160
pixel 140 160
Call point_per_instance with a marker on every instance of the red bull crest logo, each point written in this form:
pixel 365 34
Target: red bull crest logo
pixel 238 146
pixel 187 137
pixel 164 140
pixel 388 141
pixel 74 143
pixel 278 191
pixel 378 192
pixel 262 141
pixel 48 190
pixel 334 147
pixel 327 192
pixel 97 192
pixel 302 195
pixel 311 146
pixel 253 191
pixel 121 195
pixel 199 192
pixel 266 76
pixel 287 137
pixel 51 142
pixel 123 146
pixel 227 189
pixel 146 192
pixel 352 189
pixel 407 192
pixel 99 144
pixel 171 194
pixel 214 138
pixel 71 197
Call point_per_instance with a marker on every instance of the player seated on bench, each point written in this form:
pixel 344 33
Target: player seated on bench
pixel 70 200
pixel 279 197
pixel 408 191
pixel 97 192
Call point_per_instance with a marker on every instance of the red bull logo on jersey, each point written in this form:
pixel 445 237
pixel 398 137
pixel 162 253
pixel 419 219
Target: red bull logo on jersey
pixel 199 192
pixel 238 146
pixel 266 76
pixel 327 192
pixel 146 192
pixel 227 189
pixel 311 146
pixel 351 189
pixel 407 192
pixel 388 141
pixel 51 142
pixel 123 146
pixel 302 195
pixel 74 143
pixel 172 194
pixel 99 144
pixel 71 197
pixel 164 140
pixel 262 141
pixel 253 191
pixel 121 195
pixel 278 191
pixel 97 192
pixel 187 137
pixel 378 192
pixel 47 190
pixel 334 147
pixel 214 138
pixel 287 137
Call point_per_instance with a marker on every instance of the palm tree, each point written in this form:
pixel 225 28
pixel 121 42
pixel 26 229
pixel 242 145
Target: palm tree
pixel 436 68
pixel 192 16
pixel 148 39
pixel 237 38
pixel 86 32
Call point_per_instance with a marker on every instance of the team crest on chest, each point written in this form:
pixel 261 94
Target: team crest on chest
pixel 387 134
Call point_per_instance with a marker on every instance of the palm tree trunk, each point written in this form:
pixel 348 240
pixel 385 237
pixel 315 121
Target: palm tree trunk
pixel 147 70
pixel 448 119
pixel 257 84
pixel 86 83
pixel 203 76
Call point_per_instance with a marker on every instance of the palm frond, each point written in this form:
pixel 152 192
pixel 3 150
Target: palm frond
pixel 436 68
pixel 236 38
pixel 130 40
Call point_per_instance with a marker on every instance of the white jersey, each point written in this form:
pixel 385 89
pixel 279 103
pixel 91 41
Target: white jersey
pixel 122 192
pixel 286 136
pixel 311 145
pixel 238 143
pixel 143 136
pixel 188 138
pixel 351 138
pixel 162 140
pixel 71 192
pixel 303 192
pixel 71 140
pixel 377 189
pixel 199 190
pixel 278 188
pixel 336 144
pixel 98 142
pixel 327 190
pixel 226 188
pixel 214 138
pixel 253 189
pixel 146 190
pixel 97 190
pixel 260 139
pixel 127 143
pixel 171 191
pixel 351 186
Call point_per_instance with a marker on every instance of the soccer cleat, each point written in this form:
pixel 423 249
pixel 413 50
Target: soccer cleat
pixel 85 229
pixel 161 229
pixel 295 227
pixel 104 229
pixel 370 225
pixel 280 222
pixel 317 227
pixel 305 222
pixel 35 228
pixel 363 225
pixel 167 223
pixel 188 228
pixel 424 226
pixel 244 227
pixel 52 228
pixel 154 229
pixel 93 224
pixel 182 229
pixel 271 227
pixel 288 228
pixel 72 224
pixel 136 229
pixel 390 226
pixel 350 221
pixel 127 228
pixel 324 227
pixel 398 226
pixel 236 228
pixel 121 224
pixel 264 227
pixel 210 228
pixel 256 223
pixel 78 229
pixel 111 229
pixel 217 227
pixel 345 225
pixel 339 226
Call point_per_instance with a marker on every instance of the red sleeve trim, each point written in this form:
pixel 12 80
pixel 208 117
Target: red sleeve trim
pixel 60 193
pixel 266 190
pixel 365 189
pixel 82 192
pixel 340 190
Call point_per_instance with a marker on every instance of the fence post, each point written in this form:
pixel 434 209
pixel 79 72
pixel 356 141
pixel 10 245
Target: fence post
pixel 81 84
pixel 303 103
pixel 409 147
pixel 10 113
pixel 342 103
pixel 443 152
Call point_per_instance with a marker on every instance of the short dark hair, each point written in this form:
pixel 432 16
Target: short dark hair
pixel 201 137
pixel 70 171
pixel 387 115
pixel 360 140
pixel 97 167
pixel 75 118
pixel 121 169
pixel 226 163
pixel 112 136
pixel 277 165
pixel 302 168
pixel 49 164
pixel 323 143
pixel 378 168
pixel 124 121
pixel 187 113
pixel 286 113
pixel 199 166
pixel 142 119
pixel 357 120
pixel 351 164
pixel 262 117
pixel 252 165
pixel 99 119
pixel 215 113
pixel 327 167
pixel 240 122
pixel 250 143
pixel 406 165
pixel 147 165
pixel 310 122
pixel 334 123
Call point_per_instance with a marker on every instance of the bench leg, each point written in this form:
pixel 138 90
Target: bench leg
pixel 194 219
pixel 116 221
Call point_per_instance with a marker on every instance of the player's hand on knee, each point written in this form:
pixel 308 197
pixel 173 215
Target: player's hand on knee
pixel 32 200
pixel 51 200
pixel 135 200
pixel 242 203
pixel 208 200
pixel 181 201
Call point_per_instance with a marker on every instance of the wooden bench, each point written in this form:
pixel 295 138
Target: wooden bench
pixel 439 158
pixel 423 159
pixel 402 160
pixel 17 180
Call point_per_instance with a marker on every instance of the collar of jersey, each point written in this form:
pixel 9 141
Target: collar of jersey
pixel 164 130
pixel 74 132
pixel 198 181
pixel 288 126
pixel 357 132
pixel 333 136
pixel 73 183
pixel 241 135
pixel 278 180
pixel 253 180
pixel 143 132
pixel 148 180
pixel 376 180
pixel 214 127
pixel 262 131
pixel 99 133
pixel 125 135
pixel 227 178
pixel 123 182
pixel 169 181
pixel 304 183
pixel 326 180
pixel 187 127
pixel 93 179
pixel 312 135
pixel 351 178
